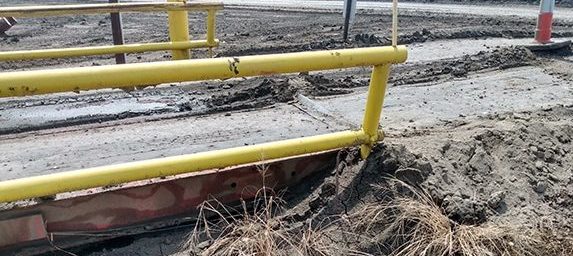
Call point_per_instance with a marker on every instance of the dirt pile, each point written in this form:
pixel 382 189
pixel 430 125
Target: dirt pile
pixel 504 184
pixel 262 92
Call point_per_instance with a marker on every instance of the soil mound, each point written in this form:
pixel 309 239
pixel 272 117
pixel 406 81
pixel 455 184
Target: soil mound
pixel 500 186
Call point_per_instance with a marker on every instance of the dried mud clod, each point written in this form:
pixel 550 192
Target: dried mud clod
pixel 269 91
pixel 416 225
pixel 500 58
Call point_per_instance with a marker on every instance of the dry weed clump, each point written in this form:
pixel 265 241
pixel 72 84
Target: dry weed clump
pixel 255 230
pixel 415 225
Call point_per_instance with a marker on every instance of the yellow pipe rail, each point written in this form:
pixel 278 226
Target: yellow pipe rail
pixel 74 79
pixel 211 18
pixel 104 50
pixel 39 186
pixel 24 83
pixel 178 28
pixel 374 103
pixel 59 10
pixel 179 31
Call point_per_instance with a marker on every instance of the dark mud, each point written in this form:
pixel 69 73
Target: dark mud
pixel 500 58
pixel 266 92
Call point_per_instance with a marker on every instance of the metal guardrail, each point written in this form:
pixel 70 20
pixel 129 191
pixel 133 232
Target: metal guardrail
pixel 178 28
pixel 87 78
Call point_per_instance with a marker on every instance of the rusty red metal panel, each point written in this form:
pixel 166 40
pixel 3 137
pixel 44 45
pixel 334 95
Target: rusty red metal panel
pixel 136 204
pixel 22 230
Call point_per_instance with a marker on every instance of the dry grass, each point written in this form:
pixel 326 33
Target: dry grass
pixel 415 226
pixel 254 232
pixel 256 229
pixel 412 225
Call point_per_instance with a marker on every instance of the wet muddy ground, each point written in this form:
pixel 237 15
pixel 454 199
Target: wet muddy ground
pixel 469 116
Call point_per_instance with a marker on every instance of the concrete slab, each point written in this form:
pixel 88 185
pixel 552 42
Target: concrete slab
pixel 83 146
pixel 518 89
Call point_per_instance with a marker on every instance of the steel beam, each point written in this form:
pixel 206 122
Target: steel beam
pixel 374 103
pixel 148 205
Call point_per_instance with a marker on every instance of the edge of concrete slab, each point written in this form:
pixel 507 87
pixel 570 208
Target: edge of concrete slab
pixel 556 45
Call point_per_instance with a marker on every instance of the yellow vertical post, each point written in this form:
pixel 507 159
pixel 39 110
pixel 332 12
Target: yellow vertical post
pixel 374 103
pixel 394 22
pixel 179 31
pixel 211 15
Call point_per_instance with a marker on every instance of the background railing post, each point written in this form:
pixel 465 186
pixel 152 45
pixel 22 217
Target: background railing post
pixel 179 31
pixel 211 16
pixel 374 104
pixel 117 32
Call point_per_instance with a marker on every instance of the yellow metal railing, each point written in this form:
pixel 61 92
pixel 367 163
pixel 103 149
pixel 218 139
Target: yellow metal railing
pixel 178 28
pixel 87 78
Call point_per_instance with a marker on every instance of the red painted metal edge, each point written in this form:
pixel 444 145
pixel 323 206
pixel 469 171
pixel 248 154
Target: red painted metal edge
pixel 22 230
pixel 126 208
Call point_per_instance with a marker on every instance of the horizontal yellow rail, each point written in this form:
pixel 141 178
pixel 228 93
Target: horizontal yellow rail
pixel 104 50
pixel 58 10
pixel 75 79
pixel 88 78
pixel 39 186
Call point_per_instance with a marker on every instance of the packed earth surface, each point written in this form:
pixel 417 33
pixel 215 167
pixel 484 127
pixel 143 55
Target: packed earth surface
pixel 479 129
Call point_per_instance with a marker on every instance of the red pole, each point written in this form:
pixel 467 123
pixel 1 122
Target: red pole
pixel 545 22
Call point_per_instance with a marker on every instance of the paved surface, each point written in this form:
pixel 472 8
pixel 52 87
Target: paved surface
pixel 510 10
pixel 83 146
pixel 513 90
pixel 517 10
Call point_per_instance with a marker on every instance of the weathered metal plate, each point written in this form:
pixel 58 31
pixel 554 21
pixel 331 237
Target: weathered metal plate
pixel 22 230
pixel 536 47
pixel 6 23
pixel 124 210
